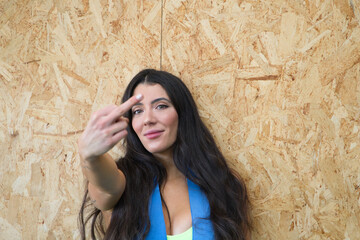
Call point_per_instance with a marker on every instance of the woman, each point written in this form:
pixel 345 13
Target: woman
pixel 172 183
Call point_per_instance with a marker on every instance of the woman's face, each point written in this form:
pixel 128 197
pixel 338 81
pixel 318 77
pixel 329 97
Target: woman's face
pixel 155 119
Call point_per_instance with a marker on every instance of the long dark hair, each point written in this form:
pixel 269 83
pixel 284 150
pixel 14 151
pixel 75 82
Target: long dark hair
pixel 195 154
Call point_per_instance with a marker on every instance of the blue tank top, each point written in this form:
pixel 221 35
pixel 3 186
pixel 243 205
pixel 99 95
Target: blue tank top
pixel 202 228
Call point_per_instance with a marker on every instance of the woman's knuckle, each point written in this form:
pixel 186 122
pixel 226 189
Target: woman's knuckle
pixel 108 142
pixel 107 132
pixel 100 124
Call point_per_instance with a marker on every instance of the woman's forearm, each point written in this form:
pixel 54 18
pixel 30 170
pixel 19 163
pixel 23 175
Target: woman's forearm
pixel 103 174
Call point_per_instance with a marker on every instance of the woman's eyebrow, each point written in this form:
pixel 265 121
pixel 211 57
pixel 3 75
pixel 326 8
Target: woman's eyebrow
pixel 154 101
pixel 160 99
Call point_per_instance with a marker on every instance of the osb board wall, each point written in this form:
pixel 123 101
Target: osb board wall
pixel 277 82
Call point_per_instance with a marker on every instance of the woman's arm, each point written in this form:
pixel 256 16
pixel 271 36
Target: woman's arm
pixel 106 183
pixel 105 128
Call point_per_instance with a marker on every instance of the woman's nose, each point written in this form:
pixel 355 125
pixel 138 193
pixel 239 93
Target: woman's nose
pixel 149 117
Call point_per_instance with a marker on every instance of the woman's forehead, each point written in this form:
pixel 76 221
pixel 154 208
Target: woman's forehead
pixel 151 92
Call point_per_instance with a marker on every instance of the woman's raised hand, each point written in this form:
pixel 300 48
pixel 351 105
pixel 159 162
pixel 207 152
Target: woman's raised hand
pixel 105 128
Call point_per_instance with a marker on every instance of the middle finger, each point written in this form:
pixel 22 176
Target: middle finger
pixel 123 108
pixel 117 127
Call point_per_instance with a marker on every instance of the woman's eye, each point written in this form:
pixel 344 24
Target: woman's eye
pixel 161 106
pixel 136 111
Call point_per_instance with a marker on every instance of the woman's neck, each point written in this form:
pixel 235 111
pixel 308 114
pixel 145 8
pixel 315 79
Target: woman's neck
pixel 167 160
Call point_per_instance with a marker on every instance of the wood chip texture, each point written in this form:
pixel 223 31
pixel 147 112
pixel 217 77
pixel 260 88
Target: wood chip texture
pixel 277 83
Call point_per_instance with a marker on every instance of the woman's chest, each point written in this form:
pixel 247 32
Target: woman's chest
pixel 199 213
pixel 176 208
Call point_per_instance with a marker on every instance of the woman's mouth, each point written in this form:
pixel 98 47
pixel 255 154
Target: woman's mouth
pixel 153 134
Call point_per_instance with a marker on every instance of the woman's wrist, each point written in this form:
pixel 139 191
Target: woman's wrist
pixel 89 158
pixel 85 155
pixel 96 163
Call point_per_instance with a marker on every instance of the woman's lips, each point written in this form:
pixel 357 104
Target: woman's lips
pixel 153 134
